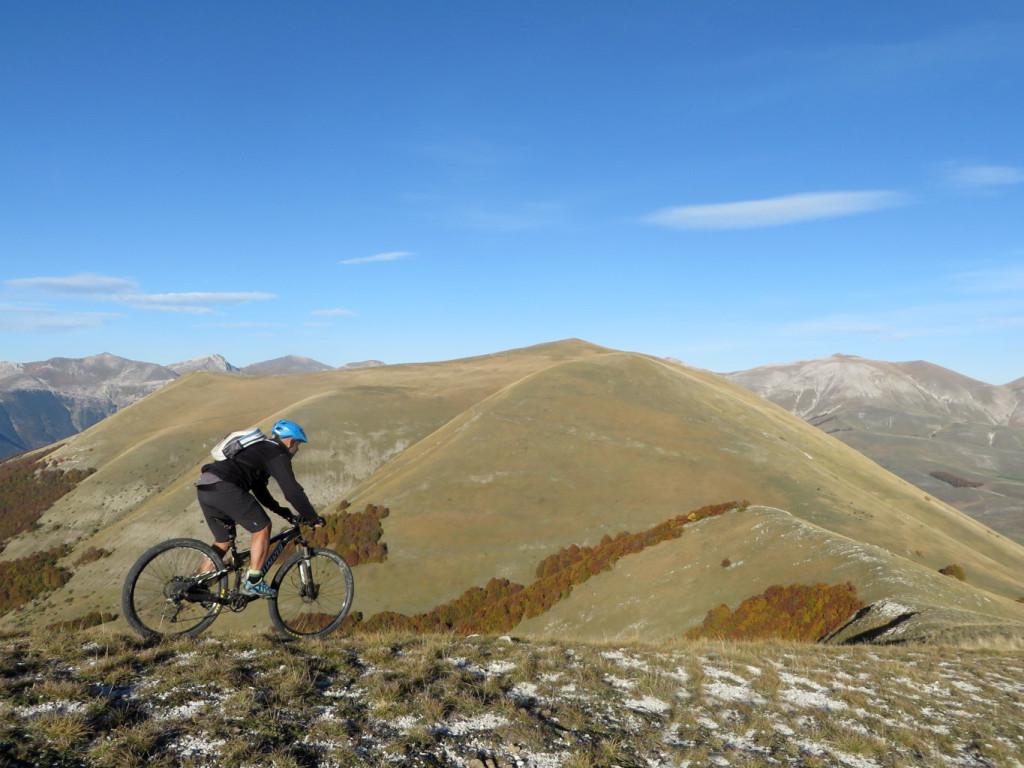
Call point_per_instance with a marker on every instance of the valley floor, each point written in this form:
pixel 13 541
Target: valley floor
pixel 483 702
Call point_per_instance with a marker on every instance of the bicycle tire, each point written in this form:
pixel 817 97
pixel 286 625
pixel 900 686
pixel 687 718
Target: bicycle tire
pixel 296 611
pixel 153 597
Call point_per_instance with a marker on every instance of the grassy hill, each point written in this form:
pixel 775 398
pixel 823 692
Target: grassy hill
pixel 491 464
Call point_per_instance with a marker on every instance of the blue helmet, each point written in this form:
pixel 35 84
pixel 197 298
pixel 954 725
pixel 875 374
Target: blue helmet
pixel 285 428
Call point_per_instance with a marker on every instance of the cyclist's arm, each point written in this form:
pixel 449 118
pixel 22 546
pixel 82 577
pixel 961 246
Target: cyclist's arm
pixel 262 494
pixel 280 468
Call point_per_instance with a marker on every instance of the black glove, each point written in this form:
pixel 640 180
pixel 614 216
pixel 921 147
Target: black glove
pixel 287 514
pixel 316 522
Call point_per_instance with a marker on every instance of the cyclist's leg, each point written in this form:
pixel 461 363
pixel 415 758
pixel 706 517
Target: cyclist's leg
pixel 221 548
pixel 220 524
pixel 230 505
pixel 260 547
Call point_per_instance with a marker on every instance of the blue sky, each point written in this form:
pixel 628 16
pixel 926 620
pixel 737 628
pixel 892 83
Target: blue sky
pixel 728 183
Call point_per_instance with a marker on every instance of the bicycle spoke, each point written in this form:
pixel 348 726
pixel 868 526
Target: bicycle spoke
pixel 316 603
pixel 159 596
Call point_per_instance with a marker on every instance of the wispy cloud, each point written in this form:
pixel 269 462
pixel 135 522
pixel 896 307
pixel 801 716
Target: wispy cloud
pixel 955 317
pixel 514 219
pixel 85 284
pixel 17 319
pixel 1002 320
pixel 390 256
pixel 243 325
pixel 195 303
pixel 333 312
pixel 464 153
pixel 850 325
pixel 984 176
pixel 995 280
pixel 103 288
pixel 789 74
pixel 776 211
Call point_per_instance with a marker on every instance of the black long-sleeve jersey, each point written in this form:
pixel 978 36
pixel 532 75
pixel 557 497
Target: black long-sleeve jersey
pixel 251 469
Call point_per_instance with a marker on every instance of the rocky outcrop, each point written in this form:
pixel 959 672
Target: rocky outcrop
pixel 215 363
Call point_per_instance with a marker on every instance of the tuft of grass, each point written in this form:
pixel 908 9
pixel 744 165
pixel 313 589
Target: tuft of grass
pixel 439 699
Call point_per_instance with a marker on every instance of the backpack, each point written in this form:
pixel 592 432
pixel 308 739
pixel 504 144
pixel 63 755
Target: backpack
pixel 236 441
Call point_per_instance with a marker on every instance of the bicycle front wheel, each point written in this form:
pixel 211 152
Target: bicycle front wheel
pixel 314 594
pixel 163 594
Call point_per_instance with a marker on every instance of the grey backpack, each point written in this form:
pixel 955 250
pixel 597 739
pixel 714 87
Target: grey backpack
pixel 236 441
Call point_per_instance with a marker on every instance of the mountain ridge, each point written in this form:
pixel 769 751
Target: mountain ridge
pixel 916 384
pixel 491 464
pixel 957 438
pixel 46 401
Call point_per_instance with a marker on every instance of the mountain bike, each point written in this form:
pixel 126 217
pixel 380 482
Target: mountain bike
pixel 180 586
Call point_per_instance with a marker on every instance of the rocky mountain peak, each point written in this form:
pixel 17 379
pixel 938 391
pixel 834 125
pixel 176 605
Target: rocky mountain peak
pixel 216 363
pixel 285 365
pixel 813 388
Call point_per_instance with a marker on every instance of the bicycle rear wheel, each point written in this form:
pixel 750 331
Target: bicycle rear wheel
pixel 314 595
pixel 164 590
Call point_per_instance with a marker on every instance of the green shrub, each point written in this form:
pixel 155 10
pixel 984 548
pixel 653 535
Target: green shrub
pixel 955 571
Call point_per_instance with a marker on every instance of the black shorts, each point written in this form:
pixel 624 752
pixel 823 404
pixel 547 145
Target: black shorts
pixel 224 505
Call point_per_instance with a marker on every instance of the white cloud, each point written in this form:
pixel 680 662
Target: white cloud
pixel 390 256
pixel 242 325
pixel 328 312
pixel 196 303
pixel 958 316
pixel 92 287
pixel 1008 279
pixel 1002 320
pixel 524 217
pixel 776 211
pixel 985 176
pixel 83 284
pixel 14 319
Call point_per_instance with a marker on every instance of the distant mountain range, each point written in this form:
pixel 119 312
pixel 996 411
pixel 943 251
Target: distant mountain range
pixel 43 402
pixel 959 439
pixel 558 488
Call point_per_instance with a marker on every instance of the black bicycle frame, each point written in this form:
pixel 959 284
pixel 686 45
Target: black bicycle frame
pixel 282 540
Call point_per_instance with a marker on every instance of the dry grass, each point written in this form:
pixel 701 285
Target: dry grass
pixel 490 464
pixel 76 700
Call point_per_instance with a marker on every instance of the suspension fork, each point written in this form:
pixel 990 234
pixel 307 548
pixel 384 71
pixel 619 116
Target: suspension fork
pixel 304 570
pixel 308 589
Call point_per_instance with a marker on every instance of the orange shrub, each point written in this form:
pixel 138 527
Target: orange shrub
pixel 797 612
pixel 29 577
pixel 502 604
pixel 28 487
pixel 355 536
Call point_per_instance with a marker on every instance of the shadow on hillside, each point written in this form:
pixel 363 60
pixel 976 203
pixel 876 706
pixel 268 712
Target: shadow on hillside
pixel 871 635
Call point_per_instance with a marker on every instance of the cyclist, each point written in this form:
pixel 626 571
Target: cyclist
pixel 231 491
